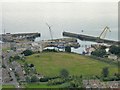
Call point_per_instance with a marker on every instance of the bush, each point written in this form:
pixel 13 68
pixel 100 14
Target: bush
pixel 11 58
pixel 112 78
pixel 27 52
pixel 106 79
pixel 68 49
pixel 105 72
pixel 73 85
pixel 28 79
pixel 3 66
pixel 34 79
pixel 115 50
pixel 44 79
pixel 56 82
pixel 16 57
pixel 31 65
pixel 99 52
pixel 49 50
pixel 76 83
pixel 64 73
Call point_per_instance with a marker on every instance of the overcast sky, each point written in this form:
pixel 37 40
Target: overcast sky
pixel 91 17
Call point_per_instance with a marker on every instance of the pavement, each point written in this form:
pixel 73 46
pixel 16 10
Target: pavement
pixel 12 74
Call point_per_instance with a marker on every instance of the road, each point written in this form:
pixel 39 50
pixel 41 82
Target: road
pixel 12 74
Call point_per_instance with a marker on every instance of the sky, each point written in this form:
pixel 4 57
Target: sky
pixel 60 0
pixel 92 17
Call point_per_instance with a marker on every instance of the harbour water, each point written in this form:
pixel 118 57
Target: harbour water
pixel 85 44
pixel 113 35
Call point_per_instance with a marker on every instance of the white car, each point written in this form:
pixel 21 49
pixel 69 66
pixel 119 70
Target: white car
pixel 10 69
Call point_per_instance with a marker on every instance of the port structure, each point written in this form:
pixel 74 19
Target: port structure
pixel 83 37
pixel 49 27
pixel 8 37
pixel 104 32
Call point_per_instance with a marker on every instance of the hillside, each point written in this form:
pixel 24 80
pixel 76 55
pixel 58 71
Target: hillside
pixel 50 64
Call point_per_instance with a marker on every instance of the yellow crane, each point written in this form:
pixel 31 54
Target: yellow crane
pixel 104 32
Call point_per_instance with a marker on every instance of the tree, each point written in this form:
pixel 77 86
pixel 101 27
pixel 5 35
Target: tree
pixel 31 65
pixel 115 50
pixel 11 58
pixel 34 79
pixel 28 79
pixel 99 52
pixel 103 47
pixel 105 71
pixel 3 66
pixel 16 57
pixel 26 67
pixel 68 49
pixel 64 73
pixel 27 52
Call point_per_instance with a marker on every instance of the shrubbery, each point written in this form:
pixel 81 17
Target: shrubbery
pixel 105 72
pixel 49 50
pixel 28 79
pixel 64 73
pixel 27 52
pixel 68 49
pixel 46 79
pixel 111 78
pixel 34 79
pixel 56 81
pixel 31 79
pixel 115 50
pixel 16 57
pixel 99 53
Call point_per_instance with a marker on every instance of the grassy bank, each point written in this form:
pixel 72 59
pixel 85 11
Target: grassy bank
pixel 50 64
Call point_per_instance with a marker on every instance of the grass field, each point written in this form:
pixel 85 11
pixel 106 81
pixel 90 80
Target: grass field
pixel 5 49
pixel 7 86
pixel 41 86
pixel 50 64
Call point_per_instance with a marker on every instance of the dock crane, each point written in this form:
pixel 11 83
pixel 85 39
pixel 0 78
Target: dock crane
pixel 49 27
pixel 104 32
